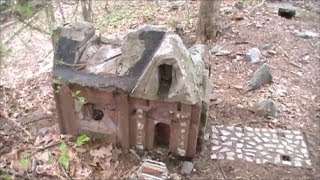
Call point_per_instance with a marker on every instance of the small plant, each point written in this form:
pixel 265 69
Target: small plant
pixel 7 177
pixel 24 161
pixel 82 139
pixel 81 99
pixel 64 157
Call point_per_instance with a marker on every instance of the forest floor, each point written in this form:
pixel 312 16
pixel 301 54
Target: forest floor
pixel 29 134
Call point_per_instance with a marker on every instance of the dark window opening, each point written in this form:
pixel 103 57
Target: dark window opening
pixel 286 13
pixel 285 158
pixel 179 107
pixel 162 135
pixel 165 80
pixel 97 114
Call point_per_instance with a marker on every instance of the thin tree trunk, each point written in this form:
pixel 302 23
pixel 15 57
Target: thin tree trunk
pixel 87 10
pixel 208 22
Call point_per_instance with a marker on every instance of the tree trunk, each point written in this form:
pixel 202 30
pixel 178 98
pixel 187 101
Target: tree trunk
pixel 87 10
pixel 208 22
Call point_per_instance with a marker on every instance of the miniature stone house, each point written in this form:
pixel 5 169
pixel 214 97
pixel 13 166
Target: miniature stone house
pixel 149 91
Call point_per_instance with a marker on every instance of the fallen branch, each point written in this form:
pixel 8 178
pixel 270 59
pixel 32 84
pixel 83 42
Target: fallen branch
pixel 19 125
pixel 65 172
pixel 221 171
pixel 12 172
pixel 18 30
pixel 255 7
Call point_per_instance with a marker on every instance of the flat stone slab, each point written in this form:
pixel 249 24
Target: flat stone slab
pixel 260 145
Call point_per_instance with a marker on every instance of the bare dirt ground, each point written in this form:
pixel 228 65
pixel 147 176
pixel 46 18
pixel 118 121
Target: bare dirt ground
pixel 26 96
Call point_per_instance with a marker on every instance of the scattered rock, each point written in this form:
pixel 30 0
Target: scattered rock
pixel 187 167
pixel 176 5
pixel 285 7
pixel 253 55
pixel 261 76
pixel 305 34
pixel 266 107
pixel 219 51
pixel 151 169
pixel 268 47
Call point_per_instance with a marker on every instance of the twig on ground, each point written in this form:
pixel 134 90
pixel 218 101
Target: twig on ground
pixel 286 54
pixel 19 125
pixel 255 7
pixel 12 172
pixel 134 153
pixel 46 147
pixel 65 172
pixel 75 11
pixel 221 170
pixel 61 11
pixel 19 29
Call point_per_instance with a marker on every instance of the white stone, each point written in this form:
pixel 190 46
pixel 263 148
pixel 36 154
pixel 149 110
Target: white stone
pixel 230 128
pixel 214 156
pixel 220 156
pixel 299 137
pixel 268 156
pixel 259 147
pixel 284 143
pixel 256 129
pixel 281 151
pixel 214 136
pixel 265 139
pixel 214 130
pixel 286 163
pixel 258 161
pixel 250 150
pixel 250 154
pixel 220 126
pixel 277 159
pixel 296 142
pixel 225 149
pixel 263 153
pixel 296 132
pixel 225 133
pixel 215 142
pixel 267 134
pixel 275 140
pixel 308 162
pixel 303 144
pixel 238 128
pixel 297 164
pixel 223 138
pixel 257 139
pixel 270 145
pixel 227 143
pixel 183 131
pixel 248 128
pixel 230 158
pixel 238 151
pixel 264 130
pixel 234 139
pixel 249 159
pixel 246 138
pixel 214 148
pixel 264 161
pixel 290 136
pixel 238 134
pixel 290 148
pixel 304 150
pixel 272 130
pixel 280 146
pixel 250 134
pixel 240 156
pixel 252 143
pixel 230 153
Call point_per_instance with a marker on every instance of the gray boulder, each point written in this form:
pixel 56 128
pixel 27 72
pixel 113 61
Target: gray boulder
pixel 266 107
pixel 253 55
pixel 261 76
pixel 187 167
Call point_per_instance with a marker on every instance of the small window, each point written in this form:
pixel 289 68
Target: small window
pixel 165 80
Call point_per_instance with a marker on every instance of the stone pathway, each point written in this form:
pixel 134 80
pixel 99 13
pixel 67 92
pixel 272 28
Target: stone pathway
pixel 260 145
